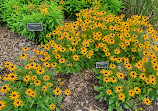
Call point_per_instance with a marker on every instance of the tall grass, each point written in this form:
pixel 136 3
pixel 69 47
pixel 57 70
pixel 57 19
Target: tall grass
pixel 142 7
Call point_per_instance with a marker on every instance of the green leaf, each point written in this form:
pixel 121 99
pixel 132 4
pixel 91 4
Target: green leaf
pixel 42 105
pixel 110 108
pixel 126 106
pixel 32 103
pixel 111 101
pixel 57 109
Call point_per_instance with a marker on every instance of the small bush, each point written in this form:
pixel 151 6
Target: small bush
pixel 17 15
pixel 31 86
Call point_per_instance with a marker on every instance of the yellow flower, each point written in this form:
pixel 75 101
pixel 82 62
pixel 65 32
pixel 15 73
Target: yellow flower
pixel 117 51
pixel 46 77
pixel 118 89
pixel 52 106
pixel 57 91
pixel 67 92
pixel 76 57
pixel 17 103
pixel 109 92
pixel 62 60
pixel 44 88
pixel 2 104
pixel 121 96
pixel 26 78
pixel 131 92
pixel 147 101
pixel 14 95
pixel 137 90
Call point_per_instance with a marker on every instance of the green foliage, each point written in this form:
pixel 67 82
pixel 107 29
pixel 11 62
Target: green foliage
pixel 27 88
pixel 143 8
pixel 113 6
pixel 17 15
pixel 71 7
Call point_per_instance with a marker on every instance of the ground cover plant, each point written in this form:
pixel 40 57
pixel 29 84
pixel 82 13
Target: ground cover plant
pixel 107 37
pixel 17 13
pixel 31 86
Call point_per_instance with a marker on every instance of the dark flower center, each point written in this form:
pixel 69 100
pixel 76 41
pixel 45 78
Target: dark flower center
pixel 4 88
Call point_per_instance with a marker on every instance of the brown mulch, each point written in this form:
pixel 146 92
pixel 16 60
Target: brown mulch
pixel 83 95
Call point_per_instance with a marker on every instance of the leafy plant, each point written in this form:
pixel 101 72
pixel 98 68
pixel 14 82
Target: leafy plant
pixel 100 36
pixel 17 15
pixel 30 86
pixel 143 8
pixel 71 7
pixel 113 6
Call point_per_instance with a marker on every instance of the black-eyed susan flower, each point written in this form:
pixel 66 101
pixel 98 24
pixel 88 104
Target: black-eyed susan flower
pixel 44 88
pixel 147 101
pixel 121 96
pixel 28 91
pixel 112 66
pixel 109 92
pixel 34 77
pixel 46 77
pixel 113 79
pixel 118 89
pixel 54 64
pixel 40 71
pixel 67 92
pixel 49 84
pixel 17 103
pixel 13 77
pixel 76 57
pixel 120 75
pixel 2 104
pixel 137 90
pixel 7 64
pixel 23 56
pixel 117 51
pixel 133 74
pixel 26 78
pixel 131 92
pixel 12 67
pixel 25 48
pixel 14 95
pixel 5 88
pixel 62 60
pixel 37 82
pixel 52 106
pixel 57 91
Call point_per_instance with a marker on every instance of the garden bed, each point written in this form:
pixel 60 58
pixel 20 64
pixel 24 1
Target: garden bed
pixel 82 96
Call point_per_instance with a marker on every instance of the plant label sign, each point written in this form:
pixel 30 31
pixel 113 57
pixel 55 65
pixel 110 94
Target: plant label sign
pixel 103 64
pixel 34 27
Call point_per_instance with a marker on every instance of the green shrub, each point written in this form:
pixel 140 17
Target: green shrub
pixel 71 7
pixel 31 86
pixel 143 8
pixel 17 15
pixel 113 6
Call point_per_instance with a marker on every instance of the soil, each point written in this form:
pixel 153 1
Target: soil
pixel 82 96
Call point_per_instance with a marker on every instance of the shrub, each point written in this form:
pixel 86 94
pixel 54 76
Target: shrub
pixel 113 6
pixel 17 15
pixel 142 8
pixel 98 36
pixel 30 86
pixel 71 7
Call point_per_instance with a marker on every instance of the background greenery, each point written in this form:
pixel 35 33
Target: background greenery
pixel 143 8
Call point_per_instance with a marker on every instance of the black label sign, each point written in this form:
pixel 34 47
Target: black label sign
pixel 34 27
pixel 103 64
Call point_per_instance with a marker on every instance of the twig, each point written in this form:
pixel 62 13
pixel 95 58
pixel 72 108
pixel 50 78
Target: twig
pixel 98 108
